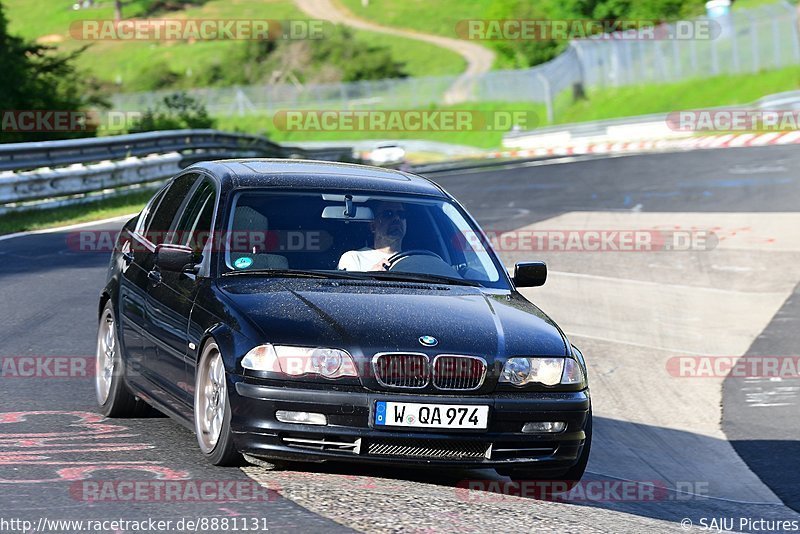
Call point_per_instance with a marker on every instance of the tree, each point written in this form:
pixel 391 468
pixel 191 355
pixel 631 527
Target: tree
pixel 40 79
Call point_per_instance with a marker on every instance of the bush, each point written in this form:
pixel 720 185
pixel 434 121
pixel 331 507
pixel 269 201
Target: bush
pixel 356 59
pixel 156 75
pixel 177 111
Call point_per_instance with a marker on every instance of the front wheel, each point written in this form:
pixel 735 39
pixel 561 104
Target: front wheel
pixel 212 409
pixel 114 399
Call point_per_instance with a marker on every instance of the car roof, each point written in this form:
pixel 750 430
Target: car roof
pixel 310 174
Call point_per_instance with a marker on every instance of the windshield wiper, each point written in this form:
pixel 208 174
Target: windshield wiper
pixel 420 277
pixel 354 275
pixel 296 273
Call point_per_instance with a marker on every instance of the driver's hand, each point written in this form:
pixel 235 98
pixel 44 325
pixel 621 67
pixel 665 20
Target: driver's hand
pixel 380 266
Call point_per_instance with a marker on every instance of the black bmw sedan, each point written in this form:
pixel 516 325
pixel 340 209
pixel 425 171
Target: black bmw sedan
pixel 312 311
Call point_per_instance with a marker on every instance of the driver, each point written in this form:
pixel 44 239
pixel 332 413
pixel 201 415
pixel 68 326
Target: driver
pixel 388 230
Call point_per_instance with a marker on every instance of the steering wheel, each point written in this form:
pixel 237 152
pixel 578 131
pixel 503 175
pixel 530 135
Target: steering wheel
pixel 406 253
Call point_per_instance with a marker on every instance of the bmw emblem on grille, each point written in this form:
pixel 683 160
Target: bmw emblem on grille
pixel 428 341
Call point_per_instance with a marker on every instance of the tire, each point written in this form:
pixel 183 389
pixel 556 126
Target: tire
pixel 571 476
pixel 212 409
pixel 114 399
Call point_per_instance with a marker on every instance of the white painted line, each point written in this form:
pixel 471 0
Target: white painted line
pixel 661 284
pixel 639 345
pixel 777 502
pixel 68 227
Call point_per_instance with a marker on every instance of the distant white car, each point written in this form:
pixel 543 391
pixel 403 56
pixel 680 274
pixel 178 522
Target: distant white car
pixel 389 154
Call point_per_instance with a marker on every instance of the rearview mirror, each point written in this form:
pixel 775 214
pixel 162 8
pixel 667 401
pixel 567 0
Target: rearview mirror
pixel 175 258
pixel 362 213
pixel 530 274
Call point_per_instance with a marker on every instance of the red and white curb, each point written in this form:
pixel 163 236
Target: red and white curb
pixel 691 143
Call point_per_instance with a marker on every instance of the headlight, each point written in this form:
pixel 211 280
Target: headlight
pixel 299 361
pixel 547 371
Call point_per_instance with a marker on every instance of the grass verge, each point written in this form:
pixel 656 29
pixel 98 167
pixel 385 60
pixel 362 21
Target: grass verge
pixel 481 138
pixel 92 211
pixel 690 94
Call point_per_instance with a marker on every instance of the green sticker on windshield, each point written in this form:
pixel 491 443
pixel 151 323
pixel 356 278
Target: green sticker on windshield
pixel 243 263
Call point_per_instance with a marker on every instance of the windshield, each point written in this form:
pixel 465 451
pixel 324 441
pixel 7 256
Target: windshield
pixel 357 236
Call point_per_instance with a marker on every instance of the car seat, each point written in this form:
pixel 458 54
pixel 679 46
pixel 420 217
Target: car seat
pixel 248 219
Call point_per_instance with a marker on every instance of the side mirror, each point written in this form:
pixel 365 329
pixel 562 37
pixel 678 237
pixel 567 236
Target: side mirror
pixel 175 258
pixel 530 274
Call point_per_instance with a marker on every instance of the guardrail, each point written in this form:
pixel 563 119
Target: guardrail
pixel 56 173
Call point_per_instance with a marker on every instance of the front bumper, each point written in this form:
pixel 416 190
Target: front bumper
pixel 350 434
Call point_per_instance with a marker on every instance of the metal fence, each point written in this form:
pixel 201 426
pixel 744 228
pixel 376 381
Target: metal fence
pixel 750 41
pixel 745 41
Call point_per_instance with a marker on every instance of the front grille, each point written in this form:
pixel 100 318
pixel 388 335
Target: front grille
pixel 326 443
pixel 458 372
pixel 401 370
pixel 455 450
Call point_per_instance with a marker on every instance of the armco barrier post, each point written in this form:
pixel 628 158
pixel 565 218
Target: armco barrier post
pixel 548 97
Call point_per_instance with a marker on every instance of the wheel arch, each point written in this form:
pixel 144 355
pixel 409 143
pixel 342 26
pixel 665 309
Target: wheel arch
pixel 105 296
pixel 228 342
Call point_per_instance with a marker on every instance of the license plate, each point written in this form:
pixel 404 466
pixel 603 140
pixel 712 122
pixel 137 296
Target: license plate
pixel 419 415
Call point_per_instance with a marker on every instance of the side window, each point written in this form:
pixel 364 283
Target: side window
pixel 194 225
pixel 147 213
pixel 174 198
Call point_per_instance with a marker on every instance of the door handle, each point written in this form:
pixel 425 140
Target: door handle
pixel 154 276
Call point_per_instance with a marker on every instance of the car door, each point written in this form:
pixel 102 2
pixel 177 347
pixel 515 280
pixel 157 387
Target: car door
pixel 158 232
pixel 137 250
pixel 169 300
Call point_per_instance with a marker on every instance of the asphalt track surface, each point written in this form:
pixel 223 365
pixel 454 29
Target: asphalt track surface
pixel 715 452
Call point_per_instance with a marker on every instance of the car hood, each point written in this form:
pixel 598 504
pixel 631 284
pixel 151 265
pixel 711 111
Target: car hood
pixel 369 317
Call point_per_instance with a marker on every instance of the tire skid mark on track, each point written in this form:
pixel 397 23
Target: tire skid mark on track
pixel 36 452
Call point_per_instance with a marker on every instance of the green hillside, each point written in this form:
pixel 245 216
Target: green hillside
pixel 144 65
